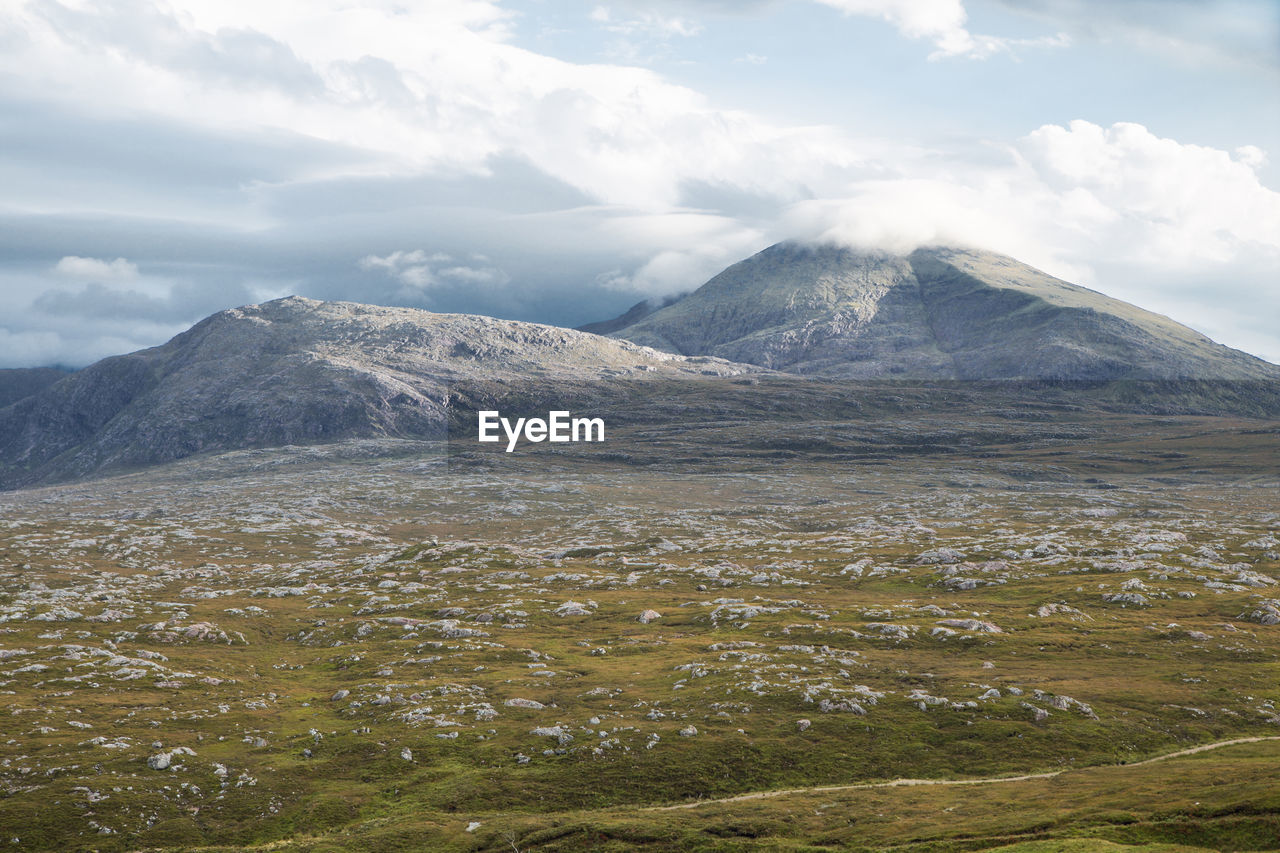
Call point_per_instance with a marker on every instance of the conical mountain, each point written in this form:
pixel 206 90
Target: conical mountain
pixel 937 313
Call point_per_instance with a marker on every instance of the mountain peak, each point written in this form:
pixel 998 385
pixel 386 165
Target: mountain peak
pixel 940 312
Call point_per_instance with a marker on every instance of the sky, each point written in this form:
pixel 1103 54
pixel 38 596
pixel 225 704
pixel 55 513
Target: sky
pixel 557 161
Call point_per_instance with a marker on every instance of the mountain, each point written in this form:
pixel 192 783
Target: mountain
pixel 632 315
pixel 297 371
pixel 19 382
pixel 937 313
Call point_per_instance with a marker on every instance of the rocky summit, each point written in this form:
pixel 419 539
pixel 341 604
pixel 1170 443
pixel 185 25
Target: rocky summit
pixel 298 371
pixel 937 313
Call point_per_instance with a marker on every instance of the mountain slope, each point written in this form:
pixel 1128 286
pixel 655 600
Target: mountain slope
pixel 938 313
pixel 19 382
pixel 297 371
pixel 632 315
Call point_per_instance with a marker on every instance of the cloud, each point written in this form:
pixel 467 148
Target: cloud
pixel 236 56
pixel 234 150
pixel 46 320
pixel 417 90
pixel 647 23
pixel 941 22
pixel 93 268
pixel 1172 203
pixel 1148 219
pixel 34 349
pixel 421 273
pixel 167 304
pixel 1240 33
pixel 69 347
pixel 681 251
pixel 641 36
pixel 1106 192
pixel 1252 156
pixel 76 346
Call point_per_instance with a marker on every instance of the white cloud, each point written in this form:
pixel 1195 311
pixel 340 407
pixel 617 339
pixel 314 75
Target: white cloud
pixel 420 89
pixel 1147 219
pixel 1171 203
pixel 33 348
pixel 678 251
pixel 1081 190
pixel 421 272
pixel 941 22
pixel 1252 156
pixel 73 266
pixel 645 23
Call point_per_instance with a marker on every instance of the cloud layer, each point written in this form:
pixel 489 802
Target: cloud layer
pixel 187 156
pixel 942 22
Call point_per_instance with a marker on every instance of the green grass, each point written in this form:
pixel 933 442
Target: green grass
pixel 214 549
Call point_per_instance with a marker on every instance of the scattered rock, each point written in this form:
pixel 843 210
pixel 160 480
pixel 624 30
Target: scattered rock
pixel 826 706
pixel 1039 714
pixel 972 625
pixel 1135 598
pixel 940 555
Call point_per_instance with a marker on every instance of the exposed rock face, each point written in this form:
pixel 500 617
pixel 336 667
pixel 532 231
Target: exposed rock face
pixel 937 313
pixel 297 371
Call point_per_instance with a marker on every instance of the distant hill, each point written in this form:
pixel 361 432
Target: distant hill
pixel 298 371
pixel 632 315
pixel 938 313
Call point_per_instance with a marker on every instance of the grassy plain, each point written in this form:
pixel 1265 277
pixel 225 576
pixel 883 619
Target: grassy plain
pixel 397 646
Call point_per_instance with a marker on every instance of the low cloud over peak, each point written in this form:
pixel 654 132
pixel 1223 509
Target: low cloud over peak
pixel 478 156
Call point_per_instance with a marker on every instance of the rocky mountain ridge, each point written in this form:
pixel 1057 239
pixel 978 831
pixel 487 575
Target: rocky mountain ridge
pixel 805 329
pixel 299 371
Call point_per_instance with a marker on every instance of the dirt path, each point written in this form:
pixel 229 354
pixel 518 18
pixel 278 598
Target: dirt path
pixel 904 783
